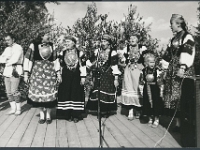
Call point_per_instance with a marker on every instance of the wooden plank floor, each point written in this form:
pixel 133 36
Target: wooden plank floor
pixel 24 131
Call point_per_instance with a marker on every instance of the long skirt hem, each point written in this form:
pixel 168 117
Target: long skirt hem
pixel 67 114
pixel 50 104
pixel 104 107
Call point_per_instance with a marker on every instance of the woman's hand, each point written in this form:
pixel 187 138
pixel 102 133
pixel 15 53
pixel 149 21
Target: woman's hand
pixel 26 79
pixel 59 78
pixel 181 72
pixel 116 83
pixel 161 94
pixel 92 84
pixel 82 81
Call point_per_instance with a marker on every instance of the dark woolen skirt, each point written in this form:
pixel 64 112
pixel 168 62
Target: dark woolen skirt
pixel 158 106
pixel 71 96
pixel 108 101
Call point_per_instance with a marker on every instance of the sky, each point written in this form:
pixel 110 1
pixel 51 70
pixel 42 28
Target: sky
pixel 157 13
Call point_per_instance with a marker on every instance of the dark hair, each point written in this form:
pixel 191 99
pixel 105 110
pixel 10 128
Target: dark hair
pixel 135 35
pixel 10 35
pixel 184 26
pixel 38 39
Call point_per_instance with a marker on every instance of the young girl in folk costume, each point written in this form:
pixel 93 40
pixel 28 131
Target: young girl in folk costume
pixel 131 96
pixel 152 90
pixel 109 72
pixel 42 71
pixel 71 97
pixel 178 61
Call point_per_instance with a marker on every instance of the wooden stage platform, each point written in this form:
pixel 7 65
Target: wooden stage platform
pixel 24 131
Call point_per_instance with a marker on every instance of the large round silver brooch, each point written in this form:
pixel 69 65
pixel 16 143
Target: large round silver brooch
pixel 45 52
pixel 71 60
pixel 149 77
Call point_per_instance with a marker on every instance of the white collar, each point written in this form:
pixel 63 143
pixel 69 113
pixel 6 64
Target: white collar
pixel 12 45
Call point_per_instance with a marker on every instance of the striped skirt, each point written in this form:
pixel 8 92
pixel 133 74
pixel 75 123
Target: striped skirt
pixel 107 93
pixel 70 93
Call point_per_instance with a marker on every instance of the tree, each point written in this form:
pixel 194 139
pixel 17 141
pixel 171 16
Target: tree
pixel 133 23
pixel 93 25
pixel 85 29
pixel 25 20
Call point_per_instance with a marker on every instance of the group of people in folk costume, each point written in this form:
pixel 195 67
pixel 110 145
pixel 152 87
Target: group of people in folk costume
pixel 146 87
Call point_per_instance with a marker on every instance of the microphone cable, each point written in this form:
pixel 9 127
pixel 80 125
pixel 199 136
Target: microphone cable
pixel 161 139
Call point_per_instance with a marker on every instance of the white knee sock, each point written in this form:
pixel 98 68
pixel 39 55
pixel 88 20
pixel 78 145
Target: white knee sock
pixel 41 114
pixel 48 113
pixel 131 113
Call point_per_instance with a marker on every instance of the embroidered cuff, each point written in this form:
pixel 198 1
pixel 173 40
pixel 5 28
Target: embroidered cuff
pixel 88 64
pixel 58 72
pixel 188 47
pixel 164 64
pixel 116 77
pixel 183 66
pixel 26 73
pixel 83 71
pixel 115 70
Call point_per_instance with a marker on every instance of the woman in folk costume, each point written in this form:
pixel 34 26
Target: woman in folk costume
pixel 91 60
pixel 152 84
pixel 41 71
pixel 108 68
pixel 71 96
pixel 96 48
pixel 131 96
pixel 12 58
pixel 178 61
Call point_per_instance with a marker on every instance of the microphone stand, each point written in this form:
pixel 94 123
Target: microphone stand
pixel 99 107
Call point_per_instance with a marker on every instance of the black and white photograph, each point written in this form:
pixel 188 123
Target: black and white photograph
pixel 100 74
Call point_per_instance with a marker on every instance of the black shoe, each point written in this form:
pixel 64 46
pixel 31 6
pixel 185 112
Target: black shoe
pixel 76 120
pixel 41 121
pixel 107 115
pixel 48 121
pixel 176 129
pixel 70 119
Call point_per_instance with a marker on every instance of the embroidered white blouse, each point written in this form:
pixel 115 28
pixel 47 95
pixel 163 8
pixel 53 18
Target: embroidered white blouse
pixel 12 55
